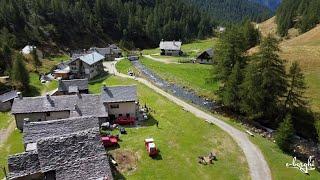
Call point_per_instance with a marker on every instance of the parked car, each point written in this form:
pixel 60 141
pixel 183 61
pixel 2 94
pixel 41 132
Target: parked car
pixel 110 140
pixel 125 121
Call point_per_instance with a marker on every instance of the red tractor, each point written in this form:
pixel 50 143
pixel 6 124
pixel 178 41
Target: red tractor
pixel 125 120
pixel 151 147
pixel 110 140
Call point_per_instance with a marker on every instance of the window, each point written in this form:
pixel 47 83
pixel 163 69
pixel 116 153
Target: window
pixel 114 106
pixel 128 114
pixel 47 114
pixel 120 115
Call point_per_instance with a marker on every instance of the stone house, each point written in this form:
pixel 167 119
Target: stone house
pixel 120 101
pixel 62 150
pixel 110 52
pixel 205 57
pixel 170 48
pixel 6 100
pixel 70 87
pixel 86 66
pixel 116 101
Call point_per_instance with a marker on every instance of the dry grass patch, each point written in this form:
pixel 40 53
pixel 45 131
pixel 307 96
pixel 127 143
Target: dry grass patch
pixel 127 160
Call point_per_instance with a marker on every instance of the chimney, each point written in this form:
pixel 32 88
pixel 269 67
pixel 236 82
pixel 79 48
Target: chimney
pixel 77 109
pixel 79 95
pixel 19 95
pixel 48 96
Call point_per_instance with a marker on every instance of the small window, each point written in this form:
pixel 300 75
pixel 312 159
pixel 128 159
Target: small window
pixel 120 115
pixel 114 106
pixel 128 115
pixel 47 114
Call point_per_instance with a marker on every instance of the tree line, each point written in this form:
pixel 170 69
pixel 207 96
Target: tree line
pixel 81 23
pixel 233 11
pixel 301 14
pixel 259 87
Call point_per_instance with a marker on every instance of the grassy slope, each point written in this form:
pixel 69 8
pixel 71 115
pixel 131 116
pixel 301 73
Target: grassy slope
pixel 304 49
pixel 193 76
pixel 5 119
pixel 12 146
pixel 181 138
pixel 124 66
pixel 37 88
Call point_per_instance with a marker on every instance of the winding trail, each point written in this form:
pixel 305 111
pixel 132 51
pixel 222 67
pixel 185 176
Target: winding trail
pixel 258 167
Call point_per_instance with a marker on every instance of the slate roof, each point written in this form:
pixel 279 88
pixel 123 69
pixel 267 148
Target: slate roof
pixel 34 131
pixel 75 156
pixel 170 45
pixel 119 94
pixel 86 105
pixel 208 51
pixel 23 164
pixel 8 96
pixel 103 51
pixel 75 84
pixel 79 155
pixel 91 58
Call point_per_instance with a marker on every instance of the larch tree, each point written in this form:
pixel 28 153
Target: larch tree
pixel 19 73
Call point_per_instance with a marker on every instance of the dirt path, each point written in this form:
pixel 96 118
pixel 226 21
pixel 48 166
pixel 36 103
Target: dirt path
pixel 258 167
pixel 5 133
pixel 160 60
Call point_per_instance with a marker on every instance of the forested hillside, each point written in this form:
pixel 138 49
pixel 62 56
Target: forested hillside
pixel 83 23
pixel 271 4
pixel 231 11
pixel 301 14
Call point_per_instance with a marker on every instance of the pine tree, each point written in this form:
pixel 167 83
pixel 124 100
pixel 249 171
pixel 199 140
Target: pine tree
pixel 284 133
pixel 296 88
pixel 231 94
pixel 265 83
pixel 19 74
pixel 35 58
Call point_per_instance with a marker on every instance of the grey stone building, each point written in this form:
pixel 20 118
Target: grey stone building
pixel 62 150
pixel 86 66
pixel 6 100
pixel 205 57
pixel 116 101
pixel 170 48
pixel 74 86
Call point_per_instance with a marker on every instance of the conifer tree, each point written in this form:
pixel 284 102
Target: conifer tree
pixel 296 88
pixel 19 74
pixel 265 82
pixel 284 133
pixel 35 58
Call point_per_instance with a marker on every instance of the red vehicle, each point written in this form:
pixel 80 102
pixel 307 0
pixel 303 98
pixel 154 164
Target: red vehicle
pixel 110 140
pixel 151 147
pixel 125 120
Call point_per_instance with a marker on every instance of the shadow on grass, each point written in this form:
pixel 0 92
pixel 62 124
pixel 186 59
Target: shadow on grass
pixel 157 157
pixel 99 79
pixel 150 122
pixel 116 174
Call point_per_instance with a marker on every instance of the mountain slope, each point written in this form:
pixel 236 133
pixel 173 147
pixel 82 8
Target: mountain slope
pixel 271 4
pixel 233 10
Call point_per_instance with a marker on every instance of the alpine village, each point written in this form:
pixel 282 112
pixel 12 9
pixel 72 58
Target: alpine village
pixel 159 89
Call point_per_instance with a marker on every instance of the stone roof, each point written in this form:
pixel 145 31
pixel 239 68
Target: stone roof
pixel 171 45
pixel 75 156
pixel 119 94
pixel 77 105
pixel 81 84
pixel 103 51
pixel 91 58
pixel 8 96
pixel 23 164
pixel 79 155
pixel 34 131
pixel 208 51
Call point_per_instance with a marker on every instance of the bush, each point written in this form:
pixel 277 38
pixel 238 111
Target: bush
pixel 284 133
